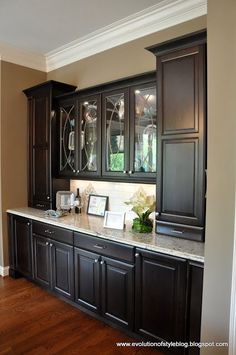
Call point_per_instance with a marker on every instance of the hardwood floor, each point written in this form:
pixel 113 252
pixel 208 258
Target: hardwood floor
pixel 34 322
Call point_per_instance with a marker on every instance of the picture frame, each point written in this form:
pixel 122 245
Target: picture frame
pixel 97 205
pixel 114 220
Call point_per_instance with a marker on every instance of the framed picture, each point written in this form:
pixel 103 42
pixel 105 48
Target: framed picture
pixel 115 220
pixel 97 205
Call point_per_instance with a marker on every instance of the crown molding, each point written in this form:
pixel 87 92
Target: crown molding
pixel 22 57
pixel 165 14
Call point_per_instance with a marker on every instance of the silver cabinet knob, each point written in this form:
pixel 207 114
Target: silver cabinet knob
pixel 157 214
pixel 96 260
pixel 102 262
pixel 77 171
pixel 50 245
pixel 48 197
pixel 125 172
pixel 28 223
pixel 130 172
pixel 47 243
pixel 137 255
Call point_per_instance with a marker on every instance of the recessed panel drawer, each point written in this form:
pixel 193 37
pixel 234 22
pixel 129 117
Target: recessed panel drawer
pixel 180 231
pixel 49 231
pixel 104 247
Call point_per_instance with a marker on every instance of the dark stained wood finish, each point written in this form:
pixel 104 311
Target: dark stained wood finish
pixel 62 267
pixel 181 89
pixel 195 305
pixel 21 239
pixel 118 292
pixel 104 247
pixel 41 132
pixel 35 322
pixel 87 279
pixel 41 261
pixel 160 292
pixel 53 232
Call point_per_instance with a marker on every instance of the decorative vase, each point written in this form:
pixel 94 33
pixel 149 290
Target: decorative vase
pixel 142 226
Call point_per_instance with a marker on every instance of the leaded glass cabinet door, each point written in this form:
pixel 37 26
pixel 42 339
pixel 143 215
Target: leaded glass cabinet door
pixel 143 130
pixel 115 133
pixel 89 135
pixel 67 159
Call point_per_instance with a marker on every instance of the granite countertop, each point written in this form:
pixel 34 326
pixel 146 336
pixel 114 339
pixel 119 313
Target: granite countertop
pixel 93 225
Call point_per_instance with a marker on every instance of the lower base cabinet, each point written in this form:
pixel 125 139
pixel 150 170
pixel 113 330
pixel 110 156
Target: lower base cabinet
pixel 160 293
pixel 105 286
pixel 154 295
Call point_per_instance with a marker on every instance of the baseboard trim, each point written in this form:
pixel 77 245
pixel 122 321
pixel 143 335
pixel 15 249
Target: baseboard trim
pixel 4 271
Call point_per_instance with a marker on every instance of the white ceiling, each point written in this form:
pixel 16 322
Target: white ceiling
pixel 48 34
pixel 43 25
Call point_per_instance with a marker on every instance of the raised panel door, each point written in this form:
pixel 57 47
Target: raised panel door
pixel 23 246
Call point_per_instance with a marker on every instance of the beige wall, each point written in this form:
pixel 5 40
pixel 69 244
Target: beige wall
pixel 221 28
pixel 122 61
pixel 14 79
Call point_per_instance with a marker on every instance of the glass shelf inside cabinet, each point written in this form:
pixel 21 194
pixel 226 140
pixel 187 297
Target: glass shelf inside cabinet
pixel 67 138
pixel 145 130
pixel 88 136
pixel 115 132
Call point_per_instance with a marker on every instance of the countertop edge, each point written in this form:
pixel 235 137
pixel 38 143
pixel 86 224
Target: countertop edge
pixel 154 248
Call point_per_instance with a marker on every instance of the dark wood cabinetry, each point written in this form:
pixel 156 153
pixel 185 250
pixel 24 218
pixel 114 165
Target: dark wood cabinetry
pixel 154 295
pixel 160 291
pixel 104 284
pixel 20 239
pixel 53 260
pixel 42 184
pixel 181 87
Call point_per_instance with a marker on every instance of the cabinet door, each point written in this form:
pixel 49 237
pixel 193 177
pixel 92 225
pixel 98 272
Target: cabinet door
pixel 62 269
pixel 181 142
pixel 87 274
pixel 143 131
pixel 195 305
pixel 67 155
pixel 42 272
pixel 115 145
pixel 160 294
pixel 39 132
pixel 89 136
pixel 23 246
pixel 118 292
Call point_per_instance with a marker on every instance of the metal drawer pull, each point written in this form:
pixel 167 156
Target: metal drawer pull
pixel 48 231
pixel 96 260
pixel 39 205
pixel 177 231
pixel 99 246
pixel 102 262
pixel 50 245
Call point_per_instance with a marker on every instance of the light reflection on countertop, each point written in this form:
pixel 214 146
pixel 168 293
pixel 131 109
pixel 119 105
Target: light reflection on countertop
pixel 94 226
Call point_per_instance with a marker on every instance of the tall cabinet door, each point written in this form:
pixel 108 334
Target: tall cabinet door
pixel 143 131
pixel 181 87
pixel 39 108
pixel 87 279
pixel 115 144
pixel 118 291
pixel 160 296
pixel 62 269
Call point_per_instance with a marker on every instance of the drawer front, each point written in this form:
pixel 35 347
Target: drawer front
pixel 104 247
pixel 180 231
pixel 57 233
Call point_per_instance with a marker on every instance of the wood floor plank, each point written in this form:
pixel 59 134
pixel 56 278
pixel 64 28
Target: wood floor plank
pixel 34 322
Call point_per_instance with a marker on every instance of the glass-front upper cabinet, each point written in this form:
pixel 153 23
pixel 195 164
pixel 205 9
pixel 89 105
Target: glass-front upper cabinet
pixel 67 155
pixel 143 130
pixel 89 135
pixel 115 133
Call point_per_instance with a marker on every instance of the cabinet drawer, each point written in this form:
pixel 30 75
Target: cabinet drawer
pixel 180 231
pixel 104 247
pixel 49 231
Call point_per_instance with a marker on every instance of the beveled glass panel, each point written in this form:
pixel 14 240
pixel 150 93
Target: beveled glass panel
pixel 67 138
pixel 145 130
pixel 88 135
pixel 115 132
